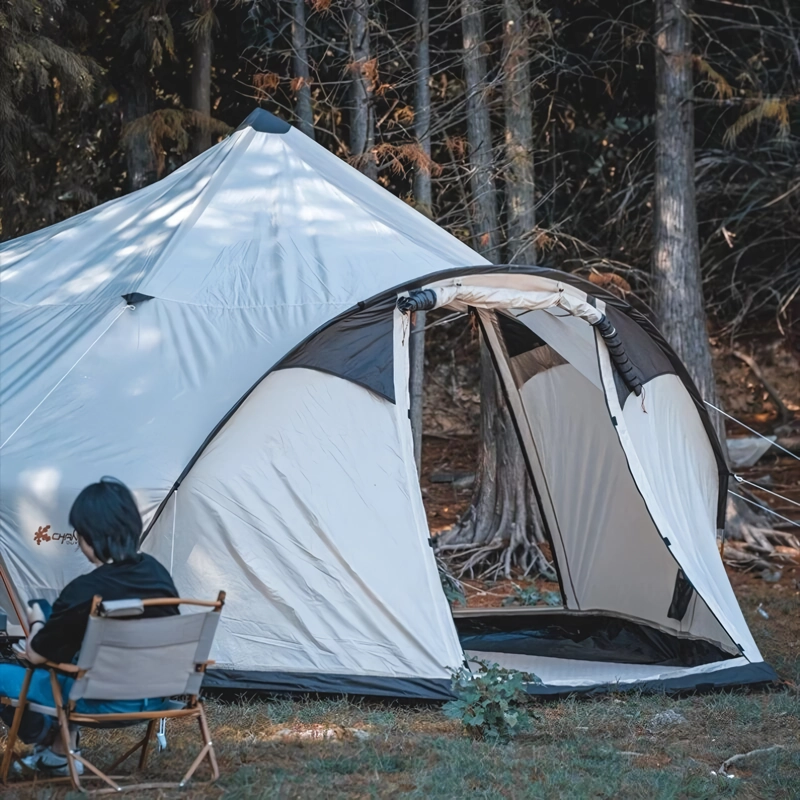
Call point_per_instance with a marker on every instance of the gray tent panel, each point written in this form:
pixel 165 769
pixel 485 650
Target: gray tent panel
pixel 357 347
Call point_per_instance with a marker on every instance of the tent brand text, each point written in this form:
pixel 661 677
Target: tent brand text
pixel 43 535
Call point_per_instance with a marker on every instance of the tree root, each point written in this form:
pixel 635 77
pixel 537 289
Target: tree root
pixel 495 559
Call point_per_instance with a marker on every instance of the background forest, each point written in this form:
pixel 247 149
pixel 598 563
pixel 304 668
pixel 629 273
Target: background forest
pixel 99 97
pixel 577 134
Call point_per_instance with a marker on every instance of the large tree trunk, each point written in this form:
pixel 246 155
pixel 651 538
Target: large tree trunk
pixel 520 196
pixel 424 202
pixel 137 101
pixel 676 251
pixel 362 113
pixel 302 84
pixel 485 229
pixel 501 527
pixel 201 74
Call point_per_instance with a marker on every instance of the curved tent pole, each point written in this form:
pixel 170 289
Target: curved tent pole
pixel 428 299
pixel 575 281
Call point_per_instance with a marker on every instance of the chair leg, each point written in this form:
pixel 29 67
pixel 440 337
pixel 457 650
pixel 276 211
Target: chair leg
pixel 11 741
pixel 142 743
pixel 195 764
pixel 206 733
pixel 63 727
pixel 148 738
pixel 207 750
pixel 99 773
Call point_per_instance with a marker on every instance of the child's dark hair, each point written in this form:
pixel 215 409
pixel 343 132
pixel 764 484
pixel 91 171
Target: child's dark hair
pixel 106 516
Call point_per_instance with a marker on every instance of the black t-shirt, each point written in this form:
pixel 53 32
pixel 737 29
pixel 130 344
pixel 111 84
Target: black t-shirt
pixel 140 577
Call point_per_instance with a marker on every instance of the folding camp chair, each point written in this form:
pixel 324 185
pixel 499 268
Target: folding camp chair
pixel 131 659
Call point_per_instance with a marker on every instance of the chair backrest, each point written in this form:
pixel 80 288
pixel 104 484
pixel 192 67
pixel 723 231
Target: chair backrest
pixel 136 659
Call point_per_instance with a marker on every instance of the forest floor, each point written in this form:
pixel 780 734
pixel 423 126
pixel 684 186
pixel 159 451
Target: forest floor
pixel 614 746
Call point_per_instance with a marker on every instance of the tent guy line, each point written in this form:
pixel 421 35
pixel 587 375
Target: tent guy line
pixel 747 427
pixel 740 479
pixel 765 508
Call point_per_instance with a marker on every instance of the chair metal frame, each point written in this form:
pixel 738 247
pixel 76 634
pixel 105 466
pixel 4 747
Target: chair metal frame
pixel 65 713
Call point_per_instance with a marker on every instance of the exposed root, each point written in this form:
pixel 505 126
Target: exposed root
pixel 495 559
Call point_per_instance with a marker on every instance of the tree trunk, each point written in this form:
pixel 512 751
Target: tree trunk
pixel 520 196
pixel 201 77
pixel 303 108
pixel 500 529
pixel 362 118
pixel 485 229
pixel 137 101
pixel 676 251
pixel 424 202
pixel 502 526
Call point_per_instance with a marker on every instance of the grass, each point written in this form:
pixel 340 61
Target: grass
pixel 579 747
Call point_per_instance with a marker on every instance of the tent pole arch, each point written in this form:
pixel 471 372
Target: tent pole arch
pixel 389 295
pixel 593 293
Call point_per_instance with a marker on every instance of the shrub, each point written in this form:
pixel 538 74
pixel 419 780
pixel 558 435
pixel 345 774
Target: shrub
pixel 451 586
pixel 491 703
pixel 530 596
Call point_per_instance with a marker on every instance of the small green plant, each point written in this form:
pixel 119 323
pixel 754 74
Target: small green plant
pixel 552 599
pixel 451 586
pixel 491 703
pixel 531 596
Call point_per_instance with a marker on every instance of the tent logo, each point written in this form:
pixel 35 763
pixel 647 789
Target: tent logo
pixel 42 535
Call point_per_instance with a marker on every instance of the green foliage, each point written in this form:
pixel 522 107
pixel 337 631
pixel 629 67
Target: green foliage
pixel 491 703
pixel 40 69
pixel 452 588
pixel 531 596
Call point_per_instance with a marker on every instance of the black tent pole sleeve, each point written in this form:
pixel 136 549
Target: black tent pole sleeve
pixel 417 300
pixel 624 365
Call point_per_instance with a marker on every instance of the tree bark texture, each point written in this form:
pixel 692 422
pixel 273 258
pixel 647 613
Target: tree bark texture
pixel 676 249
pixel 137 101
pixel 201 78
pixel 303 108
pixel 479 134
pixel 676 252
pixel 502 526
pixel 362 113
pixel 423 199
pixel 520 197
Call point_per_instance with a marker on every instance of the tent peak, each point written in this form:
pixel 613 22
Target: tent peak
pixel 264 122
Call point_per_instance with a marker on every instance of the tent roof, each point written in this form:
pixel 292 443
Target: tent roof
pixel 246 250
pixel 267 217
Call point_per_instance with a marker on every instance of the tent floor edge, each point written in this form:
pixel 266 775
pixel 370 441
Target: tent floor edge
pixel 225 682
pixel 754 675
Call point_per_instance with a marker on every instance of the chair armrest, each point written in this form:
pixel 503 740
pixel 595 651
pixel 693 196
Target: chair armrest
pixel 66 669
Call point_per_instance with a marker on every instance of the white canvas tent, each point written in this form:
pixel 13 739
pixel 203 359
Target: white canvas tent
pixel 227 342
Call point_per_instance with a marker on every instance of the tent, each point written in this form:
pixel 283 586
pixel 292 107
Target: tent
pixel 228 343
